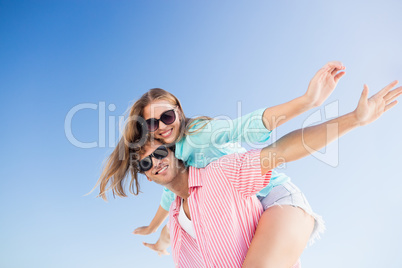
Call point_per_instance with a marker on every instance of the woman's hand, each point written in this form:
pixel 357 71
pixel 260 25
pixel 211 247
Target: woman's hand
pixel 323 83
pixel 160 216
pixel 144 230
pixel 370 109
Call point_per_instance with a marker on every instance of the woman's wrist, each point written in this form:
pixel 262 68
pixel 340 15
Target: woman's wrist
pixel 307 102
pixel 152 229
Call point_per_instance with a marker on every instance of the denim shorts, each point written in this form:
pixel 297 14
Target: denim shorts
pixel 290 194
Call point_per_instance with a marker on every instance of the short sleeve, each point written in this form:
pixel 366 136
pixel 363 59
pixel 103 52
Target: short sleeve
pixel 211 139
pixel 167 199
pixel 244 172
pixel 255 131
pixel 248 128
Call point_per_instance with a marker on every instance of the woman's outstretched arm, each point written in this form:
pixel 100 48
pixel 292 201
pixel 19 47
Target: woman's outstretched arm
pixel 302 142
pixel 160 216
pixel 319 89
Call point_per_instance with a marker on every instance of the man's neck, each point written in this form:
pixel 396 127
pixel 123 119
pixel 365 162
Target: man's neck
pixel 180 185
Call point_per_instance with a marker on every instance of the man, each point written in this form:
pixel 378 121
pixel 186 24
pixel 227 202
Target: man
pixel 219 199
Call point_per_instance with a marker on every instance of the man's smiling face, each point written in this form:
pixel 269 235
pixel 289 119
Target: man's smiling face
pixel 163 171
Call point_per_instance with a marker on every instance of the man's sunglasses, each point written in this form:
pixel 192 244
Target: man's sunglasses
pixel 167 118
pixel 146 163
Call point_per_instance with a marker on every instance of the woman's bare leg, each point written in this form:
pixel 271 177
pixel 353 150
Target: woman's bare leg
pixel 281 236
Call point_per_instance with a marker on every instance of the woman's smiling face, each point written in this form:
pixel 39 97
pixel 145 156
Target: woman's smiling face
pixel 166 133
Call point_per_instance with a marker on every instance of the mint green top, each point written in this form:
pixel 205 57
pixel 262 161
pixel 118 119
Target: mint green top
pixel 218 138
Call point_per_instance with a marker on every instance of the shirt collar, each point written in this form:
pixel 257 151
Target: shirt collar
pixel 194 177
pixel 194 180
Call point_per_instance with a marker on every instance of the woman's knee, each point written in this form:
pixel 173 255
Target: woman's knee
pixel 288 222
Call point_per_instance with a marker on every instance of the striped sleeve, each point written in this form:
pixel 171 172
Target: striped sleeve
pixel 244 172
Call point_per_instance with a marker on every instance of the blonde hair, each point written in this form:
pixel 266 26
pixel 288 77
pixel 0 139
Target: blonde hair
pixel 124 157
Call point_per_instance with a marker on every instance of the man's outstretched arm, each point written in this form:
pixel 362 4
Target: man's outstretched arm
pixel 162 244
pixel 301 142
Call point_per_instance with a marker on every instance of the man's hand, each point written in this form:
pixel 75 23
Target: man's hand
pixel 302 142
pixel 160 249
pixel 162 244
pixel 323 83
pixel 370 109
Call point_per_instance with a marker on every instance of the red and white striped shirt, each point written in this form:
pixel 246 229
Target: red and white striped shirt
pixel 224 211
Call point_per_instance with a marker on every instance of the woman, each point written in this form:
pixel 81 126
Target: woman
pixel 288 221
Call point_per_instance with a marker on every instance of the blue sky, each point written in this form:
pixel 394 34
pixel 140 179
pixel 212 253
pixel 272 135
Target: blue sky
pixel 55 55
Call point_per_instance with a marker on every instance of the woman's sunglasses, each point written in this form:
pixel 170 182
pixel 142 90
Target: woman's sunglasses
pixel 167 118
pixel 146 163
